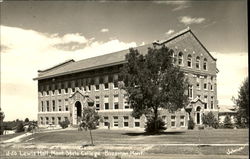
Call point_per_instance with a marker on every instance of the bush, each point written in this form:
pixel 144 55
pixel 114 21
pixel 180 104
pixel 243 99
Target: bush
pixel 153 126
pixel 64 124
pixel 20 127
pixel 210 120
pixel 191 123
pixel 227 122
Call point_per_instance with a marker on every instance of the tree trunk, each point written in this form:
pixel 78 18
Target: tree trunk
pixel 155 118
pixel 91 137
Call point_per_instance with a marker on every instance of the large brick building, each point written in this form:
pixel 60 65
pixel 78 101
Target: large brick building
pixel 67 87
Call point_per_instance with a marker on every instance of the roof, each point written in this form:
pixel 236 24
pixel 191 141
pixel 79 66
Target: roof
pixel 227 109
pixel 111 59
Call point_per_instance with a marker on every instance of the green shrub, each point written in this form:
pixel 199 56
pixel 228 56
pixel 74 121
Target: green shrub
pixel 191 123
pixel 153 126
pixel 64 124
pixel 210 120
pixel 20 127
pixel 227 122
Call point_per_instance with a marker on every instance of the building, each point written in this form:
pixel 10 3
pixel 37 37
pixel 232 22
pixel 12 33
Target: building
pixel 225 110
pixel 65 88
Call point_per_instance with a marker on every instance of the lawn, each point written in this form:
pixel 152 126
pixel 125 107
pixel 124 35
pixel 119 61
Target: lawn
pixel 127 141
pixel 104 136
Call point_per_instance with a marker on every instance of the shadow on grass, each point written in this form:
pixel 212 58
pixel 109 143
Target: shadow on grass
pixel 148 134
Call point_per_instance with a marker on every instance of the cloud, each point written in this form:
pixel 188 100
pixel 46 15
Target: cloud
pixel 233 69
pixel 104 30
pixel 26 51
pixel 170 31
pixel 178 5
pixel 187 20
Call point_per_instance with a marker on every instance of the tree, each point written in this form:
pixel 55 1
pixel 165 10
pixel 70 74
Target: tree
pixel 242 103
pixel 89 120
pixel 210 120
pixel 26 120
pixel 227 122
pixel 1 121
pixel 152 81
pixel 191 123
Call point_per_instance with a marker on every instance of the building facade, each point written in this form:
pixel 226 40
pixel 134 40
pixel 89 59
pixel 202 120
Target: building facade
pixel 63 90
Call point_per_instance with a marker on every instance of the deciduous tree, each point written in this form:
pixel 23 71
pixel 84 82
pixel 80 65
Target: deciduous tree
pixel 152 81
pixel 242 103
pixel 89 120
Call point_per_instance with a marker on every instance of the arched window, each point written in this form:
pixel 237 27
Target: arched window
pixel 189 61
pixel 205 64
pixel 197 62
pixel 180 58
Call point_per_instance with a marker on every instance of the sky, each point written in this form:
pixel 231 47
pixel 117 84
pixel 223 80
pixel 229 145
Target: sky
pixel 39 34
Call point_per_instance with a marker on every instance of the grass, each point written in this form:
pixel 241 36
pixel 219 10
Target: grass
pixel 138 141
pixel 103 136
pixel 9 136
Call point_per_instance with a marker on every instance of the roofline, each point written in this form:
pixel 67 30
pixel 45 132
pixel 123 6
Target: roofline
pixel 182 33
pixel 80 70
pixel 58 65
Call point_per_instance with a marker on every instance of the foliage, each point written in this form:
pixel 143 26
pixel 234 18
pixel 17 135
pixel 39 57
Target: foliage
pixel 227 122
pixel 89 120
pixel 242 102
pixel 153 126
pixel 20 127
pixel 191 123
pixel 26 120
pixel 64 124
pixel 1 122
pixel 153 82
pixel 210 120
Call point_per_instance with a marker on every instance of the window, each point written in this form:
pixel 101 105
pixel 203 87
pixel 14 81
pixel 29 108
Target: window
pixel 59 105
pixel 66 119
pixel 180 58
pixel 197 64
pixel 106 105
pixel 182 120
pixel 41 120
pixel 66 90
pixel 53 92
pixel 53 120
pixel 205 86
pixel 173 121
pixel 189 61
pixel 106 86
pixel 137 124
pixel 212 102
pixel 173 58
pixel 47 102
pixel 66 108
pixel 47 120
pixel 125 101
pixel 115 84
pixel 190 91
pixel 42 106
pixel 116 104
pixel 97 106
pixel 115 121
pixel 73 90
pixel 205 100
pixel 97 87
pixel 54 105
pixel 59 91
pixel 106 102
pixel 211 87
pixel 59 119
pixel 205 64
pixel 106 123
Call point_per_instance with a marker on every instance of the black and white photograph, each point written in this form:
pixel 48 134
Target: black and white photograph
pixel 124 79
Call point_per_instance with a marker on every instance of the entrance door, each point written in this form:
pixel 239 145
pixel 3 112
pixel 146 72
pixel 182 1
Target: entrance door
pixel 198 115
pixel 78 109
